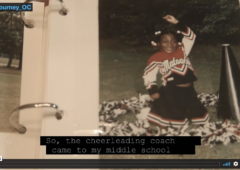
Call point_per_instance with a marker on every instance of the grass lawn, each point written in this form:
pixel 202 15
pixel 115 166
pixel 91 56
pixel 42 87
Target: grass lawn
pixel 10 86
pixel 121 70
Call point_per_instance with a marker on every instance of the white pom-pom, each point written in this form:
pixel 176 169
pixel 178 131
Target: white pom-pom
pixel 156 33
pixel 159 32
pixel 179 43
pixel 178 32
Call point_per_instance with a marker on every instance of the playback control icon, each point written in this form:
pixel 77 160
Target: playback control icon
pixel 235 163
pixel 227 164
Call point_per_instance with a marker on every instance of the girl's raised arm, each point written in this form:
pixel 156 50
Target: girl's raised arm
pixel 188 37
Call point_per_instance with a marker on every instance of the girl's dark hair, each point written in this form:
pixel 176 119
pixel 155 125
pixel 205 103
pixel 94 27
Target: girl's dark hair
pixel 178 36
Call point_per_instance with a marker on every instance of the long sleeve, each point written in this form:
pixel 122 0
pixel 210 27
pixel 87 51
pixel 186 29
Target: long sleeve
pixel 188 37
pixel 150 77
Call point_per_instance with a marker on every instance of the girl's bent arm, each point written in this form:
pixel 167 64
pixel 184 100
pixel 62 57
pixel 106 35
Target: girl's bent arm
pixel 150 77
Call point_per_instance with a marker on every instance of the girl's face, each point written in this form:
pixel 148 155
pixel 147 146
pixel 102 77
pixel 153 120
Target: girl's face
pixel 168 43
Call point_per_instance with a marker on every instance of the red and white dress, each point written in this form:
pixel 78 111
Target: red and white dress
pixel 176 104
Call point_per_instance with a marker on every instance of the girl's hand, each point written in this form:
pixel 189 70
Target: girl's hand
pixel 171 19
pixel 155 96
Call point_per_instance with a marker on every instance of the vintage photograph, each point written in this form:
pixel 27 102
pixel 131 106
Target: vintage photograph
pixel 11 48
pixel 170 68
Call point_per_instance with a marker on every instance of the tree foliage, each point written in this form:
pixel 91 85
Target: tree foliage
pixel 11 35
pixel 135 21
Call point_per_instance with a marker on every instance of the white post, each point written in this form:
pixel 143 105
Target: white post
pixel 72 72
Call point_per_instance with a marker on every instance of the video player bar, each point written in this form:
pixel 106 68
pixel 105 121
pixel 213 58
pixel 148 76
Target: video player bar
pixel 117 163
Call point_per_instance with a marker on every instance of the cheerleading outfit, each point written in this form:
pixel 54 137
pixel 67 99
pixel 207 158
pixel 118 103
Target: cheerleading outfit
pixel 176 104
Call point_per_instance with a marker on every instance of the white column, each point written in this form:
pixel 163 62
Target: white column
pixel 72 72
pixel 26 146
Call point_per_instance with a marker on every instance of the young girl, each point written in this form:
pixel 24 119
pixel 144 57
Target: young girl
pixel 176 100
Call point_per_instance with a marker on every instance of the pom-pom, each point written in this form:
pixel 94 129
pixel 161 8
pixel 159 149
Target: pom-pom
pixel 178 32
pixel 179 43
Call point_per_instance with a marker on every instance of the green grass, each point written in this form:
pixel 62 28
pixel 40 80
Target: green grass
pixel 121 70
pixel 9 99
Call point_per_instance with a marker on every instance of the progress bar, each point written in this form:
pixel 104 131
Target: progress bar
pixel 117 163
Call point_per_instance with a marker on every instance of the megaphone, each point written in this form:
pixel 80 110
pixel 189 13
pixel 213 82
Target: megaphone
pixel 229 90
